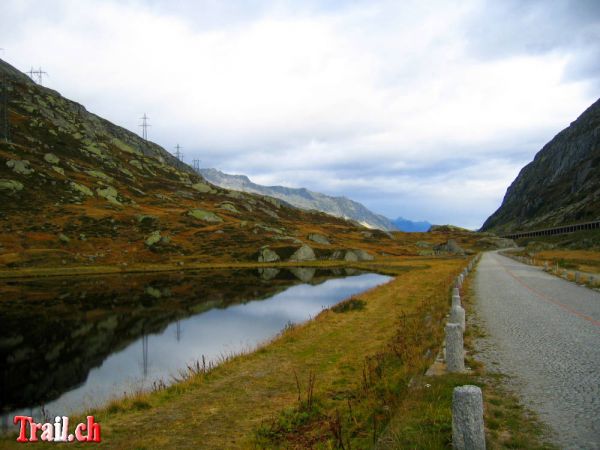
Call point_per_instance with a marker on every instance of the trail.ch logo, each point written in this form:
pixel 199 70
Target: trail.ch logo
pixel 57 431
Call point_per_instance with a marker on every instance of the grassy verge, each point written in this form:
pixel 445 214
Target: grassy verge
pixel 335 380
pixel 424 420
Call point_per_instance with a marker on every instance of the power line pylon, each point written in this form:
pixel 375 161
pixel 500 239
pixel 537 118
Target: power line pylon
pixel 144 126
pixel 39 74
pixel 178 153
pixel 197 165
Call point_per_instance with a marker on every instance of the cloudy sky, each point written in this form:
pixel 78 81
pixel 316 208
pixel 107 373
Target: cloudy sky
pixel 421 109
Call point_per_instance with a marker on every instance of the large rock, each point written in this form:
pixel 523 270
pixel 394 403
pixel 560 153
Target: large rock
pixel 358 255
pixel 304 253
pixel 21 167
pixel 319 238
pixel 265 254
pixel 206 216
pixel 51 158
pixel 153 239
pixel 10 185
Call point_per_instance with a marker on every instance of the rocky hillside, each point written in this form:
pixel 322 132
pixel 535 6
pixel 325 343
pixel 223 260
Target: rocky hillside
pixel 560 186
pixel 77 190
pixel 303 198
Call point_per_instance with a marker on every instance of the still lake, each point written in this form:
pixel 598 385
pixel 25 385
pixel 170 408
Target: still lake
pixel 70 344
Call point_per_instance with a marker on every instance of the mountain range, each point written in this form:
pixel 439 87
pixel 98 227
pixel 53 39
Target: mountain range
pixel 560 186
pixel 311 200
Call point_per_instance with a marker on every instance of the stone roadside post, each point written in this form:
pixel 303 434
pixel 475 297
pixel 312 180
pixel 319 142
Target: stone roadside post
pixel 467 418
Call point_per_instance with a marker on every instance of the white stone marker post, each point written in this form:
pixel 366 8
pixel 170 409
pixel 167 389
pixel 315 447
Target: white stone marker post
pixel 455 354
pixel 456 300
pixel 457 315
pixel 467 418
pixel 577 277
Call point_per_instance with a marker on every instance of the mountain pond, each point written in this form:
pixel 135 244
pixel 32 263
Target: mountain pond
pixel 68 344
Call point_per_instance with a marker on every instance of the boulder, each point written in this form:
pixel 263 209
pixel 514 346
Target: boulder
pixel 227 206
pixel 82 189
pixel 51 158
pixel 319 239
pixel 350 256
pixel 304 253
pixel 21 167
pixel 153 239
pixel 10 185
pixel 265 254
pixel 109 193
pixel 206 216
pixel 203 188
pixel 363 255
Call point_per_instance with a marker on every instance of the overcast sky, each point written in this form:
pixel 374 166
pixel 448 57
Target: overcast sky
pixel 420 109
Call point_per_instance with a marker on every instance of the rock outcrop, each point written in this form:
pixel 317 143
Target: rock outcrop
pixel 560 186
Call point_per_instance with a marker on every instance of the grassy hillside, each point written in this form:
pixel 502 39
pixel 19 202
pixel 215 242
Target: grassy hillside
pixel 78 190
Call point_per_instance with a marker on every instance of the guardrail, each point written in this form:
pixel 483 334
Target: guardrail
pixel 555 230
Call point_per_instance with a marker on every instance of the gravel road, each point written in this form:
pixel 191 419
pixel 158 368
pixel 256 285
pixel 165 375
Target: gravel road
pixel 545 333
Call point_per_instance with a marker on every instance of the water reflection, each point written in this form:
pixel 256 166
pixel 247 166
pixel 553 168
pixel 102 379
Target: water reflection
pixel 70 344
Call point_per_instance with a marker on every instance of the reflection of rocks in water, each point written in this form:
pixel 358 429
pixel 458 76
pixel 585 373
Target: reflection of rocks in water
pixel 304 274
pixel 349 271
pixel 337 272
pixel 80 321
pixel 268 273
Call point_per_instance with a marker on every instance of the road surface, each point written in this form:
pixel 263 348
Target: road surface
pixel 545 332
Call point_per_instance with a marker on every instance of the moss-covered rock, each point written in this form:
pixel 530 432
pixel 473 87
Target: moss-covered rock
pixel 202 214
pixel 81 189
pixel 203 188
pixel 51 158
pixel 100 175
pixel 110 194
pixel 228 207
pixel 10 185
pixel 58 169
pixel 153 238
pixel 22 167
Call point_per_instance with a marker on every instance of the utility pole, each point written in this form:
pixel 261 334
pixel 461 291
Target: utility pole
pixel 197 165
pixel 4 123
pixel 39 74
pixel 144 126
pixel 178 153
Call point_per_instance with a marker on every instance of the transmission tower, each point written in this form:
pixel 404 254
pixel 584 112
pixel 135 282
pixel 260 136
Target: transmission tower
pixel 4 123
pixel 178 153
pixel 38 74
pixel 144 126
pixel 197 165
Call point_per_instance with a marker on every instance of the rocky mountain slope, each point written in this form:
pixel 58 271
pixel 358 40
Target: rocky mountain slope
pixel 78 190
pixel 560 186
pixel 302 198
